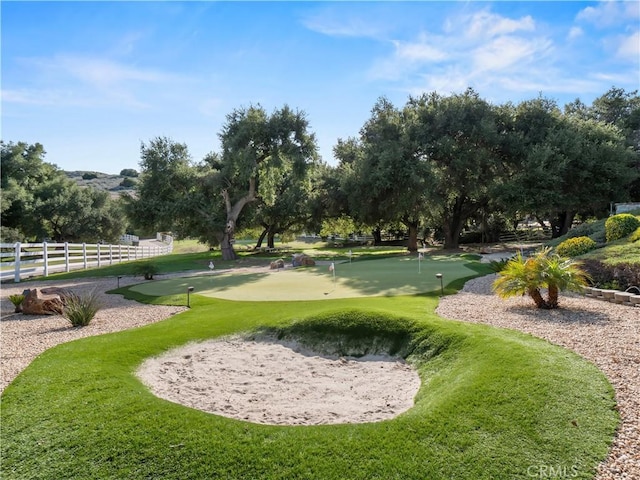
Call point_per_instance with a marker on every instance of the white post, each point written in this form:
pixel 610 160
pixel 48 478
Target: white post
pixel 119 253
pixel 66 257
pixel 98 245
pixel 84 255
pixel 45 257
pixel 18 248
pixel 110 254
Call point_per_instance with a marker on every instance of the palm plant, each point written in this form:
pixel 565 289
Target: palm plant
pixel 562 274
pixel 544 270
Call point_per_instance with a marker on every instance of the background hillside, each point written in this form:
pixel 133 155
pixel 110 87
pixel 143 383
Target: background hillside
pixel 116 185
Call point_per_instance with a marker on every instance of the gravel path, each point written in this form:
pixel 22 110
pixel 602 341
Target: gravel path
pixel 604 333
pixel 24 337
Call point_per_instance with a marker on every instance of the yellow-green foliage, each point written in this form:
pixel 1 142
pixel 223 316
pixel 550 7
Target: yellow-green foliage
pixel 573 247
pixel 635 236
pixel 621 225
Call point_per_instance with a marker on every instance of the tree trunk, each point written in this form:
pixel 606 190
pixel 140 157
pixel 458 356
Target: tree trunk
pixel 271 239
pixel 453 224
pixel 540 302
pixel 412 243
pixel 228 253
pixel 233 212
pixel 452 230
pixel 552 301
pixel 377 236
pixel 561 224
pixel 261 238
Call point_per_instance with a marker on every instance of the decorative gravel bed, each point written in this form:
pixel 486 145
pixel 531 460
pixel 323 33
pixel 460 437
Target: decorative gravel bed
pixel 605 333
pixel 24 337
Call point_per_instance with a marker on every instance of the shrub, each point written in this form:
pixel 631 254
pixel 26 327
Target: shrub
pixel 635 236
pixel 89 176
pixel 621 225
pixel 128 172
pixel 575 246
pixel 128 183
pixel 543 270
pixel 620 276
pixel 146 269
pixel 498 265
pixel 17 300
pixel 80 309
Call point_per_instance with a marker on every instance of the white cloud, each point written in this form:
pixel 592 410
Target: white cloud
pixel 507 51
pixel 420 51
pixel 328 23
pixel 629 47
pixel 87 81
pixel 104 72
pixel 610 13
pixel 486 24
pixel 575 32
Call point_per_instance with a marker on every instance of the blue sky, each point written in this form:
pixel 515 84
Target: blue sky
pixel 92 80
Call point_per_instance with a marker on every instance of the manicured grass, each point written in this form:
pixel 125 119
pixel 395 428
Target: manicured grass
pixel 404 275
pixel 620 251
pixel 494 404
pixel 189 256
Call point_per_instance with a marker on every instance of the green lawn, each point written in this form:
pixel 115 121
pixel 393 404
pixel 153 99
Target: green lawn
pixel 385 277
pixel 494 404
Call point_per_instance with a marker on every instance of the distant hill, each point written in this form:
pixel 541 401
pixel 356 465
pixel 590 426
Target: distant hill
pixel 102 181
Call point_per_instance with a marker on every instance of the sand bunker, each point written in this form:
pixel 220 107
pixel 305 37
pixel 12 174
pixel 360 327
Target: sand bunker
pixel 280 383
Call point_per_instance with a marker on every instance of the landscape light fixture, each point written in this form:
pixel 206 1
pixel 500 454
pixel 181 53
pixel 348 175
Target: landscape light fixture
pixel 189 290
pixel 439 275
pixel 119 277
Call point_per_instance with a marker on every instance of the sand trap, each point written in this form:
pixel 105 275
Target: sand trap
pixel 280 383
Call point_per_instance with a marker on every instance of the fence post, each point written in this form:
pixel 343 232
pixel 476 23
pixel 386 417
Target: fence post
pixel 84 255
pixel 66 257
pixel 45 257
pixel 18 248
pixel 110 254
pixel 98 245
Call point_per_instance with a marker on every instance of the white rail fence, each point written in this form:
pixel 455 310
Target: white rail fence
pixel 22 260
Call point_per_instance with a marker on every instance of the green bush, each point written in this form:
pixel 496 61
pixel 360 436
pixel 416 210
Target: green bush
pixel 621 225
pixel 618 277
pixel 17 300
pixel 80 309
pixel 573 247
pixel 635 236
pixel 147 269
pixel 498 265
pixel 128 172
pixel 128 183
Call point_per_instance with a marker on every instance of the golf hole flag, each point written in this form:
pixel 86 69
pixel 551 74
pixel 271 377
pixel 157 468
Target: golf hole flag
pixel 332 267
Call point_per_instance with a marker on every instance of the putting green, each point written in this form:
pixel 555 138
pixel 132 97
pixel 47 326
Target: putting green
pixel 385 277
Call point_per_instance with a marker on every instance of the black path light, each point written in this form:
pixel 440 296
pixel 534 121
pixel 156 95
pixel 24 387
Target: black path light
pixel 119 277
pixel 189 290
pixel 439 275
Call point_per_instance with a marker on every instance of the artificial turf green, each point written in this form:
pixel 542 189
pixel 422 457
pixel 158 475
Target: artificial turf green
pixel 399 275
pixel 494 404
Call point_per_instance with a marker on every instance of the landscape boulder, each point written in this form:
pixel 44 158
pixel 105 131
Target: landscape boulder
pixel 302 260
pixel 36 302
pixel 277 264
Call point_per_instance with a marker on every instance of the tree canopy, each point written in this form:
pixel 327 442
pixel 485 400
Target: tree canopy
pixel 39 202
pixel 438 163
